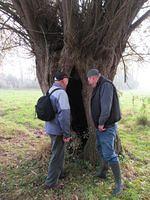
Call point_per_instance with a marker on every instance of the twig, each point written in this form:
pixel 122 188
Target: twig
pixel 124 68
pixel 135 51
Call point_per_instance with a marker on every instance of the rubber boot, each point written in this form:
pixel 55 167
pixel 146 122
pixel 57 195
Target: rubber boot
pixel 117 176
pixel 103 171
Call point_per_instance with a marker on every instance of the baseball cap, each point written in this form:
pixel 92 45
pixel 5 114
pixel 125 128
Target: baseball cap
pixel 60 76
pixel 93 72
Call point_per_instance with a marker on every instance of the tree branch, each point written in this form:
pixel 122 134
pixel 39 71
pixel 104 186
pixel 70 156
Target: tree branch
pixel 3 25
pixel 135 54
pixel 139 21
pixel 145 7
pixel 10 47
pixel 7 10
pixel 135 51
pixel 22 34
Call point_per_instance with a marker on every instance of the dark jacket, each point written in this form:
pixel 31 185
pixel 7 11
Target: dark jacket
pixel 105 109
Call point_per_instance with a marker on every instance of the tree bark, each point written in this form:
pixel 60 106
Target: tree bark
pixel 110 71
pixel 68 63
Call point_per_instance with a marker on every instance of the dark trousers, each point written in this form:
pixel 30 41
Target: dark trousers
pixel 56 161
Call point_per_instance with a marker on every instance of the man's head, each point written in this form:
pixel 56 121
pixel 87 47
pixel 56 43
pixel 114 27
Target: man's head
pixel 62 78
pixel 93 76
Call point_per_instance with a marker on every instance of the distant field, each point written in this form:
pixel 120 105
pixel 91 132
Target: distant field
pixel 24 153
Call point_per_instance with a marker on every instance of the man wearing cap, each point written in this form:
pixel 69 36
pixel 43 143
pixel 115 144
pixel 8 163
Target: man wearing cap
pixel 58 129
pixel 105 111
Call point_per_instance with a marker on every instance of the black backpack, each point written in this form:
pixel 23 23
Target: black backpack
pixel 44 109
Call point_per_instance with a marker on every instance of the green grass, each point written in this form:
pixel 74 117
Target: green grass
pixel 24 155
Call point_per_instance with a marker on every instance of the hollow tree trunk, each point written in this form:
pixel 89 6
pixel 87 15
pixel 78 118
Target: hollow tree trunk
pixel 46 65
pixel 110 66
pixel 78 90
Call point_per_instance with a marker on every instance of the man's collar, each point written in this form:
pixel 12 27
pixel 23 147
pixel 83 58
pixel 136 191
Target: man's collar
pixel 58 85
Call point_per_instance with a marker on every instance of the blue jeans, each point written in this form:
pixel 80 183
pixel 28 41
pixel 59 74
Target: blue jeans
pixel 105 144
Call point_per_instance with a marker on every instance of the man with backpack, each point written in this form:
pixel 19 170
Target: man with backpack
pixel 58 129
pixel 105 113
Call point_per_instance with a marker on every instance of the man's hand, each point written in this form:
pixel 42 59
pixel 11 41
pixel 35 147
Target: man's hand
pixel 67 139
pixel 101 128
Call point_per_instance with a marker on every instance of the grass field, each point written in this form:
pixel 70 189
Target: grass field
pixel 24 153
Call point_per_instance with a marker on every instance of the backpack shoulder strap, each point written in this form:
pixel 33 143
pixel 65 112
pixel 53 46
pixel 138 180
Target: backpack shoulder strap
pixel 54 91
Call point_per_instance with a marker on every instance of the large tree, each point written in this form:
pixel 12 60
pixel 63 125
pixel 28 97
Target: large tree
pixel 73 35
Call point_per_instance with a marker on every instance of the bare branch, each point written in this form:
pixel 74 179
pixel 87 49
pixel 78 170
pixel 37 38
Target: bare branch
pixel 21 33
pixel 135 51
pixel 145 7
pixel 7 9
pixel 3 25
pixel 135 54
pixel 139 21
pixel 10 47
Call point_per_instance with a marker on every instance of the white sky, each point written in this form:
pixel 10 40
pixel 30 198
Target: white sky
pixel 18 63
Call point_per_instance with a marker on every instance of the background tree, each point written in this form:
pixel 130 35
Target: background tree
pixel 73 35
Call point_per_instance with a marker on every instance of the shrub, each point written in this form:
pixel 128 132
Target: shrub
pixel 143 120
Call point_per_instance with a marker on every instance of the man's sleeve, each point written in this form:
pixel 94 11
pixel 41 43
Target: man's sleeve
pixel 64 113
pixel 106 97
